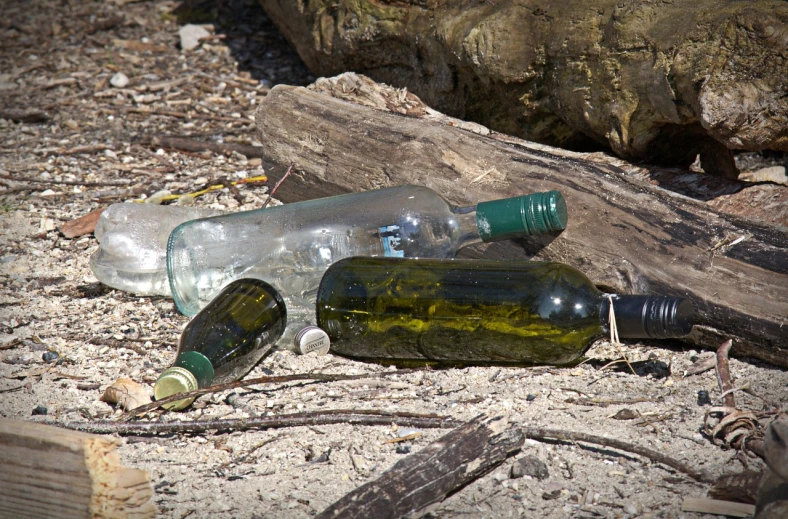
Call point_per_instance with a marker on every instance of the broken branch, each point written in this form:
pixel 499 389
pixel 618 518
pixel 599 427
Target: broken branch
pixel 541 434
pixel 327 417
pixel 724 374
pixel 63 182
pixel 314 377
pixel 276 186
pixel 190 145
pixel 433 473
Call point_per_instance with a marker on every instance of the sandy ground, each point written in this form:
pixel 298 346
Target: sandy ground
pixel 93 148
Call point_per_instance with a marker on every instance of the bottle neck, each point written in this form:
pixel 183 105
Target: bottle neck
pixel 468 228
pixel 648 317
pixel 198 365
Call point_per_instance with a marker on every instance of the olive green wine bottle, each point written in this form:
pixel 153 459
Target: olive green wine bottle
pixel 454 312
pixel 225 340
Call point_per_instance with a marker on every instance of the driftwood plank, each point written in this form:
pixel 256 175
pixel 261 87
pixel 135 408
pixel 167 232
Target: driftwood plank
pixel 428 476
pixel 47 471
pixel 627 235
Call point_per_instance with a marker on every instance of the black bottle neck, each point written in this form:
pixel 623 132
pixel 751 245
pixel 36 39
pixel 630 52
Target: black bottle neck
pixel 648 317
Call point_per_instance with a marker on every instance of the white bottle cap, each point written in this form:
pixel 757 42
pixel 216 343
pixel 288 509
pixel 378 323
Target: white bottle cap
pixel 311 339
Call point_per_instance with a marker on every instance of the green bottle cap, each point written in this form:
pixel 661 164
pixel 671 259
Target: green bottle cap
pixel 190 371
pixel 537 213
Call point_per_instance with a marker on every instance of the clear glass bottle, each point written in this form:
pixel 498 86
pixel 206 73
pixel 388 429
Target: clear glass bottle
pixel 291 245
pixel 455 312
pixel 225 340
pixel 132 249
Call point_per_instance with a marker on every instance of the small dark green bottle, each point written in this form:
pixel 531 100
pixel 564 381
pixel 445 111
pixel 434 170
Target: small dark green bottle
pixel 225 340
pixel 455 312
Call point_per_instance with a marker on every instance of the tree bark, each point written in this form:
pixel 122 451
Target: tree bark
pixel 627 235
pixel 663 81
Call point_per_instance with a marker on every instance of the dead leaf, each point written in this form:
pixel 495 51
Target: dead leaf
pixel 83 225
pixel 126 393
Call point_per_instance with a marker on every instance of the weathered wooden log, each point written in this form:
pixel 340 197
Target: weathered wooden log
pixel 437 470
pixel 46 471
pixel 663 81
pixel 627 235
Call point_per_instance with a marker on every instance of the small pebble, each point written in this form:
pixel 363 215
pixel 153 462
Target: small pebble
pixel 529 466
pixel 530 397
pixel 119 80
pixel 406 431
pixel 630 509
pixel 403 448
pixel 190 36
pixel 40 410
pixel 50 356
pixel 551 491
pixel 625 414
pixel 703 398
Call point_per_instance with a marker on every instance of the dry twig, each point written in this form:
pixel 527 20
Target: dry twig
pixel 24 116
pixel 181 144
pixel 724 373
pixel 64 182
pixel 184 115
pixel 326 417
pixel 541 434
pixel 276 186
pixel 738 429
pixel 314 377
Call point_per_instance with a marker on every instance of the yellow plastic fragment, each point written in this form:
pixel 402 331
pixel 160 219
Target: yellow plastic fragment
pixel 168 198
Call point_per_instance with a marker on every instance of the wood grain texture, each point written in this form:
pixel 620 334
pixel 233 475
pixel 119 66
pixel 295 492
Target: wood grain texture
pixel 46 471
pixel 430 475
pixel 627 235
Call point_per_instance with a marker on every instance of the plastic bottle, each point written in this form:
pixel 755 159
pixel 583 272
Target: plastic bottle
pixel 291 245
pixel 133 245
pixel 455 312
pixel 225 340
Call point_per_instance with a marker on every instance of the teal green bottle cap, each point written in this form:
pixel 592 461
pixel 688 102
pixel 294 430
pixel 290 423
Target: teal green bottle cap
pixel 198 364
pixel 191 370
pixel 537 213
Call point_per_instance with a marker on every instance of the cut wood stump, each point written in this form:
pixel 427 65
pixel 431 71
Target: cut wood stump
pixel 351 134
pixel 47 471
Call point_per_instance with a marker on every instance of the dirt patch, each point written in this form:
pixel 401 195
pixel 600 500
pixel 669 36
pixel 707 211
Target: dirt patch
pixel 64 338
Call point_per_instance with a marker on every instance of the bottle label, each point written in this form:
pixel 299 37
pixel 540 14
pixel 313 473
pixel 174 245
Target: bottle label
pixel 390 238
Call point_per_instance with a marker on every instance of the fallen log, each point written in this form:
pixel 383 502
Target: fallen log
pixel 46 471
pixel 627 235
pixel 661 81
